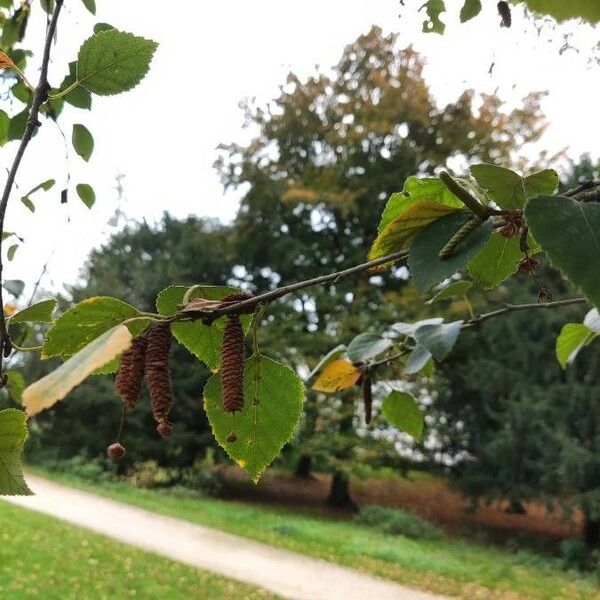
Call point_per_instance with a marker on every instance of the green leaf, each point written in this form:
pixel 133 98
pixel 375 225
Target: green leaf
pixel 28 203
pixel 561 10
pixel 16 127
pixel 86 193
pixel 366 346
pixel 21 92
pixel 112 61
pixel 456 288
pixel 424 262
pixel 16 384
pixel 45 185
pixel 85 322
pixel 83 142
pixel 328 358
pixel 98 27
pixel 434 8
pixel 4 126
pixel 41 312
pixel 410 328
pixel 508 189
pixel 470 9
pixel 497 261
pixel 13 433
pixel 78 97
pixel 400 232
pixel 14 287
pixel 438 339
pixel 273 396
pixel 90 5
pixel 569 233
pixel 48 6
pixel 572 338
pixel 203 341
pixel 12 250
pixel 55 386
pixel 418 189
pixel 417 360
pixel 402 411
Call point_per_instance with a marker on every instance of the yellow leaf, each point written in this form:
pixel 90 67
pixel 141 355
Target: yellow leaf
pixel 54 387
pixel 5 61
pixel 9 309
pixel 401 231
pixel 337 375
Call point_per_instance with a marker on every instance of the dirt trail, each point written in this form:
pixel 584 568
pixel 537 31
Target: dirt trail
pixel 282 572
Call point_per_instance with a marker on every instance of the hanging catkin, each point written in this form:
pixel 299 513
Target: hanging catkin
pixel 367 387
pixel 158 376
pixel 128 381
pixel 232 360
pixel 504 11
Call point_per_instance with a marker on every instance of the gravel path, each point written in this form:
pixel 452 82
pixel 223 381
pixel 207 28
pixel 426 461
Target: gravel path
pixel 282 572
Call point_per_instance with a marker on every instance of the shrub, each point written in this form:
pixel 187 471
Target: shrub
pixel 398 522
pixel 97 470
pixel 575 554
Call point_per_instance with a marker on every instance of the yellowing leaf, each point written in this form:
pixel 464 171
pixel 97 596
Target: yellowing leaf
pixel 336 376
pixel 5 61
pixel 9 309
pixel 55 386
pixel 401 231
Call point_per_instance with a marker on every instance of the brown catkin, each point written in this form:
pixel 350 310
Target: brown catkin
pixel 115 451
pixel 232 360
pixel 367 386
pixel 504 11
pixel 158 376
pixel 128 381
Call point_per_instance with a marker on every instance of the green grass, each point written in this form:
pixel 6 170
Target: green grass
pixel 454 567
pixel 43 558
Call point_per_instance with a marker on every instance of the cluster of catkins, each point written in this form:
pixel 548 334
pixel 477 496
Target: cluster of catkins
pixel 147 357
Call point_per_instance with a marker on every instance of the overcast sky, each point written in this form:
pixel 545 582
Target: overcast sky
pixel 162 135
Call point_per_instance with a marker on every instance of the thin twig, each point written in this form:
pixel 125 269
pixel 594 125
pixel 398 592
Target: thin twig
pixel 39 97
pixel 516 307
pixel 582 187
pixel 208 316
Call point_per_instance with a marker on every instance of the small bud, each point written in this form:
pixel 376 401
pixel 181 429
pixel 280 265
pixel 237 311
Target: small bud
pixel 115 451
pixel 231 438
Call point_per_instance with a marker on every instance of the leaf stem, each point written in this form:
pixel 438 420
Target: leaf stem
pixel 66 91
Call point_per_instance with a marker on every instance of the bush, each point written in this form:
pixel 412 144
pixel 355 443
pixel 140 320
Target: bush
pixel 149 474
pixel 97 470
pixel 398 522
pixel 575 554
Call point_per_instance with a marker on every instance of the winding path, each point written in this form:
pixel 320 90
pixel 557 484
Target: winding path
pixel 287 574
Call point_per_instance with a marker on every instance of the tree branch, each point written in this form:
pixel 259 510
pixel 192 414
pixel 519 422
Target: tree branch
pixel 516 307
pixel 208 316
pixel 39 97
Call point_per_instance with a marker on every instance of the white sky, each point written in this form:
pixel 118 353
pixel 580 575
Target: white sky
pixel 162 135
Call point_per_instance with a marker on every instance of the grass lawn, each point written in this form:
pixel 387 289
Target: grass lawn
pixel 454 567
pixel 43 558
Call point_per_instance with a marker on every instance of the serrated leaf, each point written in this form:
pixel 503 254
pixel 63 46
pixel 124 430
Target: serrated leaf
pixel 83 141
pixel 203 341
pixel 561 10
pixel 541 183
pixel 85 322
pixel 55 386
pixel 112 61
pixel 402 411
pixel 86 194
pixel 568 232
pixel 438 339
pixel 572 338
pixel 417 360
pixel 337 352
pixel 273 396
pixel 497 261
pixel 470 9
pixel 78 96
pixel 14 287
pixel 338 375
pixel 433 9
pixel 98 27
pixel 13 433
pixel 41 312
pixel 453 290
pixel 366 346
pixel 400 232
pixel 426 267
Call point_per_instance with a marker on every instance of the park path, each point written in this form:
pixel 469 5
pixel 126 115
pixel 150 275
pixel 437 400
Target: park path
pixel 287 574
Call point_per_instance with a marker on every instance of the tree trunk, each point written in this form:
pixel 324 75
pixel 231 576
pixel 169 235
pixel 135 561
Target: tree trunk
pixel 591 533
pixel 304 467
pixel 339 494
pixel 515 507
